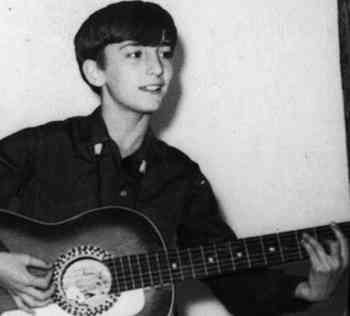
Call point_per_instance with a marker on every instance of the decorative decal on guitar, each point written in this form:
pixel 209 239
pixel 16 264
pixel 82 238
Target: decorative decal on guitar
pixel 83 281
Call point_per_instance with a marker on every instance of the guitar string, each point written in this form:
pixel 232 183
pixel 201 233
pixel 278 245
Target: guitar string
pixel 224 265
pixel 199 267
pixel 196 266
pixel 255 259
pixel 168 273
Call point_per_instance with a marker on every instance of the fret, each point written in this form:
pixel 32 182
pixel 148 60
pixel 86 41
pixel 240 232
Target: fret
pixel 191 263
pixel 272 249
pixel 136 275
pixel 247 253
pixel 280 247
pixel 225 257
pixel 263 250
pixel 255 251
pixel 198 264
pixel 109 263
pixel 239 255
pixel 217 258
pixel 120 275
pixel 303 252
pixel 182 275
pixel 148 262
pixel 164 268
pixel 186 263
pixel 211 260
pixel 232 257
pixel 131 272
pixel 289 245
pixel 128 277
pixel 174 265
pixel 138 266
pixel 155 268
pixel 204 261
pixel 297 240
pixel 144 270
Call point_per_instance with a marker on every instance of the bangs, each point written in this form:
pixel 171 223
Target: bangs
pixel 151 29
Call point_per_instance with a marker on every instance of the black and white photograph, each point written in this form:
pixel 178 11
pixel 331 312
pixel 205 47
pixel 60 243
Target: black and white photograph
pixel 174 157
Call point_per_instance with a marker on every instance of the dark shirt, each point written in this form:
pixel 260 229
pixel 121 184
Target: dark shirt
pixel 56 170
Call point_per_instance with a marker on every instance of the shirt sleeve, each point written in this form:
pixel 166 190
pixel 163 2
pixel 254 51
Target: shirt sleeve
pixel 16 156
pixel 269 291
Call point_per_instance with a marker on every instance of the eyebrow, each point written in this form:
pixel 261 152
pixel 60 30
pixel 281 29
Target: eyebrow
pixel 136 43
pixel 129 43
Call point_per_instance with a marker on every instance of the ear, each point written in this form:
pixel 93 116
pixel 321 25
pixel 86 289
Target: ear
pixel 93 73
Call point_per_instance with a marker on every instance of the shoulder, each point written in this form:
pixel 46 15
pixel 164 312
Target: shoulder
pixel 50 128
pixel 28 139
pixel 174 158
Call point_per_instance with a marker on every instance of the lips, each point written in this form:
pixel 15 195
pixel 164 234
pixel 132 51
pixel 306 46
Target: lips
pixel 152 88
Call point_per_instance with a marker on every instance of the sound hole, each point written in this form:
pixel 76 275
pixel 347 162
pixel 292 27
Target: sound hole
pixel 87 281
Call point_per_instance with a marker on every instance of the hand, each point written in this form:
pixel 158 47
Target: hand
pixel 326 268
pixel 27 290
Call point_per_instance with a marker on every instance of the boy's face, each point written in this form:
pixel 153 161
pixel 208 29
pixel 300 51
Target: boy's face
pixel 136 77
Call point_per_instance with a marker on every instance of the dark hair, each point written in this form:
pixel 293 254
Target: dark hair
pixel 144 22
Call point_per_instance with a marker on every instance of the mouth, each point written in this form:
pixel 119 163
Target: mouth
pixel 152 88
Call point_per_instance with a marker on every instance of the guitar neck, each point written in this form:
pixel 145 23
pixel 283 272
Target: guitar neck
pixel 162 268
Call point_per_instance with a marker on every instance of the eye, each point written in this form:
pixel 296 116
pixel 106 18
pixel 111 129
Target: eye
pixel 166 53
pixel 134 54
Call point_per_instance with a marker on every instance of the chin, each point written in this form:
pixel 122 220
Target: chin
pixel 149 108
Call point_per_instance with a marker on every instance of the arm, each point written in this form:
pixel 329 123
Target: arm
pixel 266 290
pixel 17 156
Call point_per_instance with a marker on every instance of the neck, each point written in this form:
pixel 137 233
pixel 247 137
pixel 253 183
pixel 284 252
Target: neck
pixel 126 128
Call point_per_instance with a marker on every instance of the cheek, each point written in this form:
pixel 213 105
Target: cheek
pixel 168 71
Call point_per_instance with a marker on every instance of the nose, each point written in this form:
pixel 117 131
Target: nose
pixel 154 64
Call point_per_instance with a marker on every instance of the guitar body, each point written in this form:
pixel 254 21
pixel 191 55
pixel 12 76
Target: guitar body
pixel 93 235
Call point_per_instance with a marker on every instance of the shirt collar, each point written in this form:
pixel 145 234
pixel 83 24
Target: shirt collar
pixel 92 130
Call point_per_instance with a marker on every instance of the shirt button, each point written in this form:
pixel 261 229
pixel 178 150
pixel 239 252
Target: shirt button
pixel 123 193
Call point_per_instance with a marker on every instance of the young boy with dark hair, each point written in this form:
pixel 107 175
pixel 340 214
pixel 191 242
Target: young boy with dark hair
pixel 111 157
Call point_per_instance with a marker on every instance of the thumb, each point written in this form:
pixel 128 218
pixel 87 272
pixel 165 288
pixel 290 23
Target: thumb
pixel 302 290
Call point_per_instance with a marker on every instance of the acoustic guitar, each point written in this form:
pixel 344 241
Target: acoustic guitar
pixel 114 261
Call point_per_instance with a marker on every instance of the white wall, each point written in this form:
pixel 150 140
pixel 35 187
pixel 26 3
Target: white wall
pixel 258 99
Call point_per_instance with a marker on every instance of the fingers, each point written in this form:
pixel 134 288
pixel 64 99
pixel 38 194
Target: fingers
pixel 41 282
pixel 32 298
pixel 317 255
pixel 21 305
pixel 36 262
pixel 343 243
pixel 31 302
pixel 338 256
pixel 38 295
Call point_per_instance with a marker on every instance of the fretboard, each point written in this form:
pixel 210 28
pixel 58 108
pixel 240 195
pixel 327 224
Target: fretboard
pixel 161 268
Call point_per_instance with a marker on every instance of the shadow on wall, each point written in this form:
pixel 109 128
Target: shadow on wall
pixel 163 118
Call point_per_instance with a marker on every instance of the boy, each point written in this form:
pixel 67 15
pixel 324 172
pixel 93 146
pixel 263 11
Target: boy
pixel 111 157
